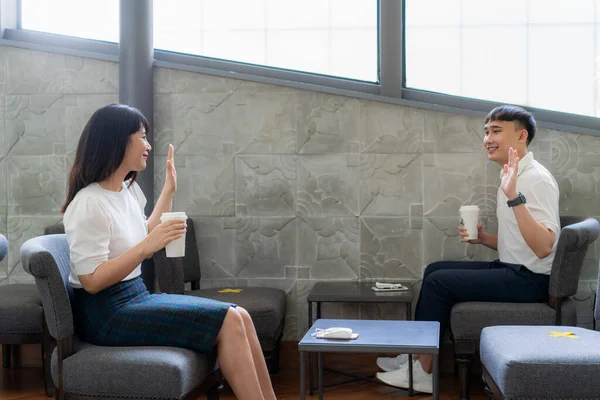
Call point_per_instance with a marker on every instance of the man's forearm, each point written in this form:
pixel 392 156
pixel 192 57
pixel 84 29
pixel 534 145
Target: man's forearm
pixel 490 240
pixel 539 238
pixel 164 204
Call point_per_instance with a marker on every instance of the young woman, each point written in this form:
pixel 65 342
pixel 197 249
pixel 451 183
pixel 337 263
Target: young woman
pixel 109 237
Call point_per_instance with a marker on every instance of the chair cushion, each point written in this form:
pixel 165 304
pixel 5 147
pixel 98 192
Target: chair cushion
pixel 266 306
pixel 20 309
pixel 132 372
pixel 469 318
pixel 526 362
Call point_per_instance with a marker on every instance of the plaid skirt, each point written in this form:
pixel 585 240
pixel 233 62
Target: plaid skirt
pixel 125 314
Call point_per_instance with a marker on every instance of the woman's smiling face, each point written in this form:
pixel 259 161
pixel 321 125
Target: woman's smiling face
pixel 137 151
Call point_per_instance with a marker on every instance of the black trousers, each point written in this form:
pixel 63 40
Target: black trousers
pixel 446 283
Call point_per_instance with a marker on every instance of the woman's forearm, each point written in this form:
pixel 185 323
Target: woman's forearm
pixel 163 205
pixel 113 271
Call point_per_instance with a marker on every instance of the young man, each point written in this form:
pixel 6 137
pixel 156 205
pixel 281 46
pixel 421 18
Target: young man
pixel 528 230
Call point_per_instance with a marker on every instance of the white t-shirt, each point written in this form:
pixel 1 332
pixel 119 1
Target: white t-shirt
pixel 101 225
pixel 541 191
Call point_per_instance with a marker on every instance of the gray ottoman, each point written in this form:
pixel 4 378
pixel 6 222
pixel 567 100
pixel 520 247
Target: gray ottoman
pixel 527 362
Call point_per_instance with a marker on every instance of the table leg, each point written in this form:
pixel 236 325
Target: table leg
pixel 410 375
pixel 410 356
pixel 302 395
pixel 320 368
pixel 310 355
pixel 319 360
pixel 436 377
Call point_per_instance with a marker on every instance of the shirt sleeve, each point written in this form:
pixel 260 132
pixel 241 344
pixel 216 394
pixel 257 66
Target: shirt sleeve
pixel 542 202
pixel 88 231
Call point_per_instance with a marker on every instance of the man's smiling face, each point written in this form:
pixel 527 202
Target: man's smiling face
pixel 500 136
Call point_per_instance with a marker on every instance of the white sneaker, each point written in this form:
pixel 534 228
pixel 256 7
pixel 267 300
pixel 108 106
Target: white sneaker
pixel 392 363
pixel 393 377
pixel 422 381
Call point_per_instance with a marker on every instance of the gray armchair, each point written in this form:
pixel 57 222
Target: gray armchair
pixel 84 371
pixel 266 306
pixel 21 321
pixel 468 319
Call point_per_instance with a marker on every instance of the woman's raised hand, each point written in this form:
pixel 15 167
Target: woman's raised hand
pixel 170 186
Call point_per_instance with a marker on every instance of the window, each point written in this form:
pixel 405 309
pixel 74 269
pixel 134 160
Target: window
pixel 80 18
pixel 329 37
pixel 539 53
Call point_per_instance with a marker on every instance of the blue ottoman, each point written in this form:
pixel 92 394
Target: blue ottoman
pixel 527 362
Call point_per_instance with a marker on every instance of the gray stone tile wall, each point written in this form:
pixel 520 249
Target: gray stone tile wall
pixel 45 100
pixel 286 187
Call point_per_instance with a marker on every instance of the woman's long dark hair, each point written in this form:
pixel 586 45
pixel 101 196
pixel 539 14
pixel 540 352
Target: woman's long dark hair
pixel 102 145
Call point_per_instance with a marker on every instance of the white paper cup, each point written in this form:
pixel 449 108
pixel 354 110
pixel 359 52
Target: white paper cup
pixel 177 247
pixel 470 218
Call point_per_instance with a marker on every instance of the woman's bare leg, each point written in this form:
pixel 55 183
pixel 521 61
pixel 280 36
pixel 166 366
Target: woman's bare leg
pixel 426 361
pixel 257 355
pixel 235 358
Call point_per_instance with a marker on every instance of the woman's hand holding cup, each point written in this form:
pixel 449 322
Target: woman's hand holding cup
pixel 164 233
pixel 176 246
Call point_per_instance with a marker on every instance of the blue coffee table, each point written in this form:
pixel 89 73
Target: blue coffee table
pixel 412 337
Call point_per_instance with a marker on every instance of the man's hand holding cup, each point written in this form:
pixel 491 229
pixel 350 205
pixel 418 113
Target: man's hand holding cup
pixel 462 231
pixel 469 227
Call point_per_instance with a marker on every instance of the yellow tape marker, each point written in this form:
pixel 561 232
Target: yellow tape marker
pixel 563 334
pixel 230 290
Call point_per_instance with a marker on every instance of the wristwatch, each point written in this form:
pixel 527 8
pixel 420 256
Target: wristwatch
pixel 519 200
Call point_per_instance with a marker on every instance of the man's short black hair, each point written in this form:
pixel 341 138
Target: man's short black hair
pixel 517 115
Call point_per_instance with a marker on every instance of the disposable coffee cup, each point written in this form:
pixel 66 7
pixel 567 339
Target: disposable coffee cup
pixel 176 248
pixel 469 216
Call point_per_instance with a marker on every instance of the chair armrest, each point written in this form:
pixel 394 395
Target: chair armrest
pixel 3 247
pixel 572 246
pixel 54 229
pixel 597 308
pixel 46 258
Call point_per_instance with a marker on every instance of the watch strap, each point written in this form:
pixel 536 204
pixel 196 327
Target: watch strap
pixel 520 199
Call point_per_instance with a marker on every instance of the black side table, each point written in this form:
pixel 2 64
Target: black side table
pixel 353 292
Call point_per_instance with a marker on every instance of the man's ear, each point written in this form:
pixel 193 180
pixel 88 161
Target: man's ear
pixel 523 135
